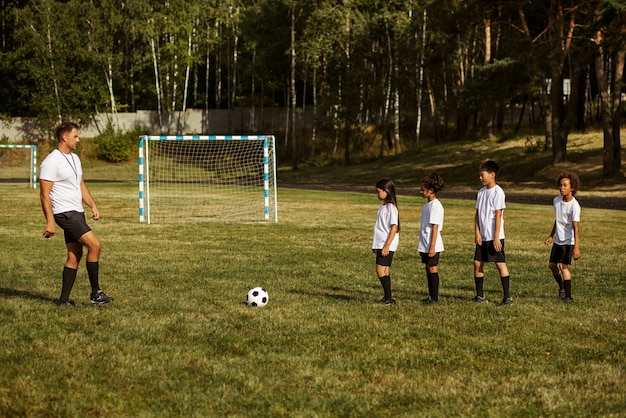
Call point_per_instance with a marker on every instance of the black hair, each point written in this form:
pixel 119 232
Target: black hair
pixel 490 167
pixel 389 186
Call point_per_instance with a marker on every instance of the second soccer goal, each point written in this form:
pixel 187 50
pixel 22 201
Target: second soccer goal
pixel 207 178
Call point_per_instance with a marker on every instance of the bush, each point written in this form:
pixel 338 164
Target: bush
pixel 116 147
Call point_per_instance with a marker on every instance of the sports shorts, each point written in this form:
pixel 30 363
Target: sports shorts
pixel 430 261
pixel 562 254
pixel 488 254
pixel 383 261
pixel 73 224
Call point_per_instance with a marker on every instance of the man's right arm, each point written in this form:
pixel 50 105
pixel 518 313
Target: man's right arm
pixel 45 186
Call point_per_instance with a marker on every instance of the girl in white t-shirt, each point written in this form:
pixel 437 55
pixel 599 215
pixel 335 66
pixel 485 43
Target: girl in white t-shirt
pixel 430 243
pixel 565 234
pixel 386 235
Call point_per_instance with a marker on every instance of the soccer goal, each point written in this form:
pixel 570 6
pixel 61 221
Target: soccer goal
pixel 16 166
pixel 203 178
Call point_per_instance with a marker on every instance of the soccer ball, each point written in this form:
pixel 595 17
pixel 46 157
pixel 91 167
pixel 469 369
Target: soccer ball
pixel 257 297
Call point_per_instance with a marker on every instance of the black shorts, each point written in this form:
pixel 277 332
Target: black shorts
pixel 73 224
pixel 488 254
pixel 384 261
pixel 430 261
pixel 562 254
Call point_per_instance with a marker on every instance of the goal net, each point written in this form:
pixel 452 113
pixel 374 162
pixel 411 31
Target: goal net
pixel 205 178
pixel 18 165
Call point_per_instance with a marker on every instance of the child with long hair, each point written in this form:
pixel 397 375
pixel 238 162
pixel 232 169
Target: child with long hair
pixel 386 235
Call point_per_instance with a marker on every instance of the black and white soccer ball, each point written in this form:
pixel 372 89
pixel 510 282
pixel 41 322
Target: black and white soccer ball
pixel 257 297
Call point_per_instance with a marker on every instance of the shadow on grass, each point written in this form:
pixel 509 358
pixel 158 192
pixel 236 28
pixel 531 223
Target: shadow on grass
pixel 335 293
pixel 24 294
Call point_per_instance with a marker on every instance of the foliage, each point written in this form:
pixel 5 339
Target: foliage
pixel 116 146
pixel 357 61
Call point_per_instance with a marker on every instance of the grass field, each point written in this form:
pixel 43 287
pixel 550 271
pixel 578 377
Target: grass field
pixel 179 341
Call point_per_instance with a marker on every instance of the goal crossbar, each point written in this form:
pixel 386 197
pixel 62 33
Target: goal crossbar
pixel 33 160
pixel 205 177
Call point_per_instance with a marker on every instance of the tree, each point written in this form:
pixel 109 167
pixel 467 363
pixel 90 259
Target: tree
pixel 611 48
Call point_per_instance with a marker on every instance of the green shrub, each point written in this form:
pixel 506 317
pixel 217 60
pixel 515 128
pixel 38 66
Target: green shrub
pixel 116 147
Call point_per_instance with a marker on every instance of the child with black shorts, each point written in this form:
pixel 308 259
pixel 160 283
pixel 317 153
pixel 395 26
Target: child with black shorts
pixel 430 243
pixel 489 232
pixel 386 235
pixel 565 234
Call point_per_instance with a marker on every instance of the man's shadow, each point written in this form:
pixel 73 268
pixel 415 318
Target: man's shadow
pixel 25 294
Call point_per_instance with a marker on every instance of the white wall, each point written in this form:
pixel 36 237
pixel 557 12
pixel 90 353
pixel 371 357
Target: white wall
pixel 194 121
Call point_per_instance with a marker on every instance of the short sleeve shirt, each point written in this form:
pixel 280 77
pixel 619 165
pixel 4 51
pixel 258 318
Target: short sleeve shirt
pixel 566 213
pixel 66 172
pixel 488 201
pixel 386 217
pixel 432 214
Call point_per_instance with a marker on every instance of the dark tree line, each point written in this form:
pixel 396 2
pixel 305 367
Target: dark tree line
pixel 358 64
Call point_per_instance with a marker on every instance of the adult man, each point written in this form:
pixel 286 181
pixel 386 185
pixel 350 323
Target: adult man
pixel 62 192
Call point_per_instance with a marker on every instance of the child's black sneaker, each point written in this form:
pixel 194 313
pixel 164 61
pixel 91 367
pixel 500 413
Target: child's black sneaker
pixel 506 302
pixel 567 300
pixel 388 302
pixel 70 303
pixel 430 301
pixel 100 298
pixel 480 299
pixel 561 294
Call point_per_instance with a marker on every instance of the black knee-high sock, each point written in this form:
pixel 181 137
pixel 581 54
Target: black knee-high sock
pixel 429 279
pixel 435 284
pixel 568 288
pixel 385 281
pixel 69 277
pixel 479 286
pixel 93 270
pixel 559 280
pixel 505 286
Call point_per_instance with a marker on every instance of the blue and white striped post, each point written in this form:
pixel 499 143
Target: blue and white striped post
pixel 33 160
pixel 144 168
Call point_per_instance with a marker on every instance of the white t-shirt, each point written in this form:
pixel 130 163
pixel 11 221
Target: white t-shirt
pixel 566 213
pixel 488 201
pixel 432 214
pixel 386 217
pixel 66 171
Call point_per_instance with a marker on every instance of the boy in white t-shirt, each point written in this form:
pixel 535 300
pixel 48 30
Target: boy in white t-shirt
pixel 565 234
pixel 430 243
pixel 489 232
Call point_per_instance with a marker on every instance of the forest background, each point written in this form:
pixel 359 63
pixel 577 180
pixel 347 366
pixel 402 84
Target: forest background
pixel 391 73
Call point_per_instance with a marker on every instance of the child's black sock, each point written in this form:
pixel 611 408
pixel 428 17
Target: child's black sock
pixel 434 295
pixel 93 268
pixel 385 281
pixel 568 288
pixel 69 277
pixel 559 280
pixel 505 286
pixel 479 286
pixel 429 278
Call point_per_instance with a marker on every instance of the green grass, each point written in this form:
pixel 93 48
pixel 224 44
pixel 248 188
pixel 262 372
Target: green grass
pixel 179 341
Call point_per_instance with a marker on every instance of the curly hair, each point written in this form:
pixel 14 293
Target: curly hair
pixel 432 181
pixel 574 181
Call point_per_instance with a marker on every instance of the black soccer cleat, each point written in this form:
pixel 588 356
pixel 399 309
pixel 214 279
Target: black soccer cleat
pixel 100 298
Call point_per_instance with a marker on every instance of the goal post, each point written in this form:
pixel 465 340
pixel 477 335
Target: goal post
pixel 13 171
pixel 207 178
